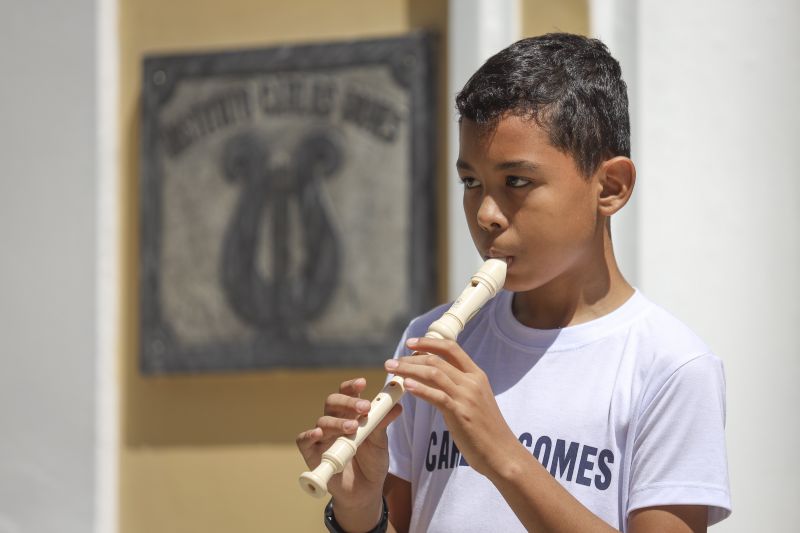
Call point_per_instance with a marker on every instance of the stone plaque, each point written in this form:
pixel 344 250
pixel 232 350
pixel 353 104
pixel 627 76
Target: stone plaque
pixel 287 204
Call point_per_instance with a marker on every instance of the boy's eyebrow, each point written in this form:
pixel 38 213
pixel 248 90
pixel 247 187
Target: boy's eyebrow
pixel 460 163
pixel 520 163
pixel 505 165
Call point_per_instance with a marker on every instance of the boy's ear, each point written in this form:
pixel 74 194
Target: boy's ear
pixel 616 177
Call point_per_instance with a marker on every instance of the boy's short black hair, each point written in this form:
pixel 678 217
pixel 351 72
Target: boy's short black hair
pixel 569 84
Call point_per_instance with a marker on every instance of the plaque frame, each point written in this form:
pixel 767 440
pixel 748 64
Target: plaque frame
pixel 411 60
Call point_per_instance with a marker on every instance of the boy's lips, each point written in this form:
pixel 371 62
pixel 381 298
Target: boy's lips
pixel 493 255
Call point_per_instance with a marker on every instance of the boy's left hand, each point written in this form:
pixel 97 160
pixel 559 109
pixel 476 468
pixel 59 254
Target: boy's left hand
pixel 445 376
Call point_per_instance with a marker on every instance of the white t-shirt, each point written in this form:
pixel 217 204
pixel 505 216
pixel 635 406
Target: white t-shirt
pixel 626 411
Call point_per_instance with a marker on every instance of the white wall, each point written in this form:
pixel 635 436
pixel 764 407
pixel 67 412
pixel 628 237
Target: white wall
pixel 614 21
pixel 48 225
pixel 718 224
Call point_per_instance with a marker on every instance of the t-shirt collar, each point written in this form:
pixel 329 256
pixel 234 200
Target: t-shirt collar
pixel 564 338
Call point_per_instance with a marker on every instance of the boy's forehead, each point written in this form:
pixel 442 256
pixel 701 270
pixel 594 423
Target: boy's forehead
pixel 507 135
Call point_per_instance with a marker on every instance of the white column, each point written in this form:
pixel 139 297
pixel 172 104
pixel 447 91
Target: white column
pixel 614 23
pixel 477 30
pixel 108 264
pixel 720 220
pixel 718 234
pixel 50 299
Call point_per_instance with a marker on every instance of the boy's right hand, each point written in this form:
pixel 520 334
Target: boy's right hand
pixel 360 485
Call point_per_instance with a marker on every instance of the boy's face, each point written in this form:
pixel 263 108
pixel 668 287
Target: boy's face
pixel 527 201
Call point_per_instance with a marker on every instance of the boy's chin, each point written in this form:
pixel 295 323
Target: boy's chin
pixel 515 284
pixel 522 282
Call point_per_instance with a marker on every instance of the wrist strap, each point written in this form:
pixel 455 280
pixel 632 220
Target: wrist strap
pixel 333 526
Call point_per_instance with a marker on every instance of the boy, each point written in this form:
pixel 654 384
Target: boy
pixel 581 406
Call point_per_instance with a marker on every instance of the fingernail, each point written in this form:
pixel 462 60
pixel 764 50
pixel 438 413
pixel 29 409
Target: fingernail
pixel 412 342
pixel 409 384
pixel 362 405
pixel 391 364
pixel 350 425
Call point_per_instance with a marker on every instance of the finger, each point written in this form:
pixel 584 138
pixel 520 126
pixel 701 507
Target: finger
pixel 449 350
pixel 378 435
pixel 343 406
pixel 353 387
pixel 426 368
pixel 391 416
pixel 307 439
pixel 332 426
pixel 436 397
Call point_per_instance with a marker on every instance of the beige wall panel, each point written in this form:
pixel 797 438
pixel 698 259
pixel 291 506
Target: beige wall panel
pixel 545 16
pixel 241 489
pixel 212 453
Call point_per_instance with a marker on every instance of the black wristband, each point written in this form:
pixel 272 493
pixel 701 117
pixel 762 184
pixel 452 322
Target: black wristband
pixel 333 526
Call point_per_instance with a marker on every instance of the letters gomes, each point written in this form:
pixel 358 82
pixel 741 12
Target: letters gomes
pixel 588 465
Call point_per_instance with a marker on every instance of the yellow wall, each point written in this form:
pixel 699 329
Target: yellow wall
pixel 545 16
pixel 215 453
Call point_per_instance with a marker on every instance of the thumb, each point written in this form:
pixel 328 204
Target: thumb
pixel 378 436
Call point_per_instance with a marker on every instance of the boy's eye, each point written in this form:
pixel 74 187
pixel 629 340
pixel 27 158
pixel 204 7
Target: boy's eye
pixel 514 181
pixel 469 183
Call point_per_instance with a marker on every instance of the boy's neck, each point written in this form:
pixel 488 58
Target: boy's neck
pixel 585 293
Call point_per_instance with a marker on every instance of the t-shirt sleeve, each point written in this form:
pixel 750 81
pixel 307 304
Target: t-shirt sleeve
pixel 679 448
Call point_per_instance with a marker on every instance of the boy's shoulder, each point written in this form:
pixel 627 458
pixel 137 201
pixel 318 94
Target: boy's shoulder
pixel 665 342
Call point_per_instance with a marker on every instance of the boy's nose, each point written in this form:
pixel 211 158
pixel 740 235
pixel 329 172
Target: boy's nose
pixel 490 216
